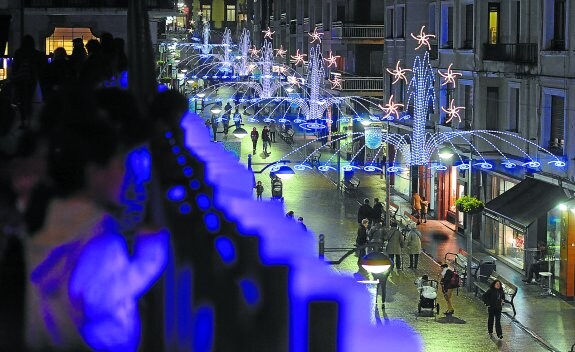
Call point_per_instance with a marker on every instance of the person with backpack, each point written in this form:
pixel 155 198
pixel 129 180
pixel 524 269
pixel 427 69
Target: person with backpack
pixel 448 282
pixel 494 299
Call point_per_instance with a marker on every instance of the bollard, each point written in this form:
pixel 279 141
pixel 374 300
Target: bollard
pixel 321 246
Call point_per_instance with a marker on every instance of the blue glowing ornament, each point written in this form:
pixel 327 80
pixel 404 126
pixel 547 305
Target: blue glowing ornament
pixel 371 168
pixel 325 168
pixel 226 249
pixel 176 193
pixel 532 164
pixel 373 137
pixel 557 163
pixel 302 167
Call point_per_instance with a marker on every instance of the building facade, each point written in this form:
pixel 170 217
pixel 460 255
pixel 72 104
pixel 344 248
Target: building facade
pixel 517 77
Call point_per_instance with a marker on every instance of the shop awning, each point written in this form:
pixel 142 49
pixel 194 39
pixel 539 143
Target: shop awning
pixel 521 205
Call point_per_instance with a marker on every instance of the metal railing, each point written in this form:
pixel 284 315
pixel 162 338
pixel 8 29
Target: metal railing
pixel 361 84
pixel 342 30
pixel 156 4
pixel 525 53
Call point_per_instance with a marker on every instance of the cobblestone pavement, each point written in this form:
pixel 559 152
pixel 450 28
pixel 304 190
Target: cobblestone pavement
pixel 541 324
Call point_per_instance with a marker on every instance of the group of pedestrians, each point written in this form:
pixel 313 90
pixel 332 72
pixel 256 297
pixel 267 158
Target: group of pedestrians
pixel 231 114
pixel 291 215
pixel 395 242
pixel 420 207
pixel 268 135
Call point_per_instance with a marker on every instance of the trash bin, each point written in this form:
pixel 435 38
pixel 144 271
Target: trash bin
pixel 277 188
pixel 487 265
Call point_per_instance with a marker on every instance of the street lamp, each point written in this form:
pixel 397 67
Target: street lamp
pixel 282 171
pixel 240 133
pixel 379 265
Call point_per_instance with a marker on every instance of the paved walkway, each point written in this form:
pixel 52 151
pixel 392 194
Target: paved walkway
pixel 541 324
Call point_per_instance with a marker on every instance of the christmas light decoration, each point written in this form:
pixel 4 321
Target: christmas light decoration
pixel 398 73
pixel 422 39
pixel 315 35
pixel 331 60
pixel 268 34
pixel 452 111
pixel 449 76
pixel 336 83
pixel 298 58
pixel 280 51
pixel 391 108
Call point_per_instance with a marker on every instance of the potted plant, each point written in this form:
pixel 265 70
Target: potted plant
pixel 469 205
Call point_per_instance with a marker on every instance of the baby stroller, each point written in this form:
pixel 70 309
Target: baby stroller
pixel 427 294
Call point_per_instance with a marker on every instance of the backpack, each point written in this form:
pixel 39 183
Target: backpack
pixel 455 280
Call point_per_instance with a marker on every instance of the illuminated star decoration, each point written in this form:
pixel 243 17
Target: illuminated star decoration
pixel 422 39
pixel 280 51
pixel 391 108
pixel 449 76
pixel 298 58
pixel 254 51
pixel 268 33
pixel 452 111
pixel 331 60
pixel 336 83
pixel 293 80
pixel 282 69
pixel 398 73
pixel 252 67
pixel 315 35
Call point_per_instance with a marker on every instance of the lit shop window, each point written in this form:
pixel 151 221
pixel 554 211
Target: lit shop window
pixel 62 37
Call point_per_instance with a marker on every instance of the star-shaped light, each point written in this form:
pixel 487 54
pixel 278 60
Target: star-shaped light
pixel 336 83
pixel 391 108
pixel 452 111
pixel 422 39
pixel 282 69
pixel 398 73
pixel 449 76
pixel 294 81
pixel 252 67
pixel 331 60
pixel 254 51
pixel 280 51
pixel 268 33
pixel 315 35
pixel 298 58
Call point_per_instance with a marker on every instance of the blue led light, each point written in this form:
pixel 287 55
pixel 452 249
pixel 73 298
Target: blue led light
pixel 250 291
pixel 203 201
pixel 325 168
pixel 181 159
pixel 302 167
pixel 226 249
pixel 188 171
pixel 176 149
pixel 185 208
pixel 204 329
pixel 212 222
pixel 195 185
pixel 168 134
pixel 176 193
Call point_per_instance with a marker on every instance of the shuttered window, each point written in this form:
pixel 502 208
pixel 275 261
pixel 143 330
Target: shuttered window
pixel 557 139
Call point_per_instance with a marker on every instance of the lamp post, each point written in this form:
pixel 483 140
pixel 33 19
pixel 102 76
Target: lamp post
pixel 379 265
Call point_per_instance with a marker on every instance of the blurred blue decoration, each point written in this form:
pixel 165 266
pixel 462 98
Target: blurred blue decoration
pixel 226 249
pixel 250 291
pixel 176 193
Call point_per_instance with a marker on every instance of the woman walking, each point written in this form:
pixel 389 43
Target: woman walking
pixel 494 298
pixel 254 136
pixel 394 244
pixel 413 245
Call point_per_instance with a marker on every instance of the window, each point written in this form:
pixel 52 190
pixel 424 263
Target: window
pixel 468 105
pixel 446 26
pixel 400 25
pixel 558 42
pixel 493 26
pixel 206 12
pixel 431 20
pixel 389 23
pixel 492 109
pixel 553 120
pixel 468 27
pixel 230 13
pixel 340 13
pixel 513 109
pixel 62 37
pixel 445 96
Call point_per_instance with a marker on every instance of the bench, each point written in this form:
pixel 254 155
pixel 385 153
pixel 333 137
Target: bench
pixel 459 262
pixel 509 288
pixel 287 136
pixel 350 184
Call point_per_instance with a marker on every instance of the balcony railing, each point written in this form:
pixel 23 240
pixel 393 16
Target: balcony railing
pixel 518 53
pixel 156 4
pixel 357 31
pixel 370 84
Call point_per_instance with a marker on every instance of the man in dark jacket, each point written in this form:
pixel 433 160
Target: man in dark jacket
pixel 361 238
pixel 365 211
pixel 377 210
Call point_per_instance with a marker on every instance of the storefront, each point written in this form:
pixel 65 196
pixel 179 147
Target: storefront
pixel 448 187
pixel 524 214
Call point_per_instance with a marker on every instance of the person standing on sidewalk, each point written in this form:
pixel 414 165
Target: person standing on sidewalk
pixel 259 190
pixel 377 211
pixel 394 244
pixel 364 212
pixel 273 130
pixel 424 208
pixel 416 205
pixel 413 245
pixel 446 274
pixel 361 238
pixel 266 139
pixel 494 298
pixel 254 135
